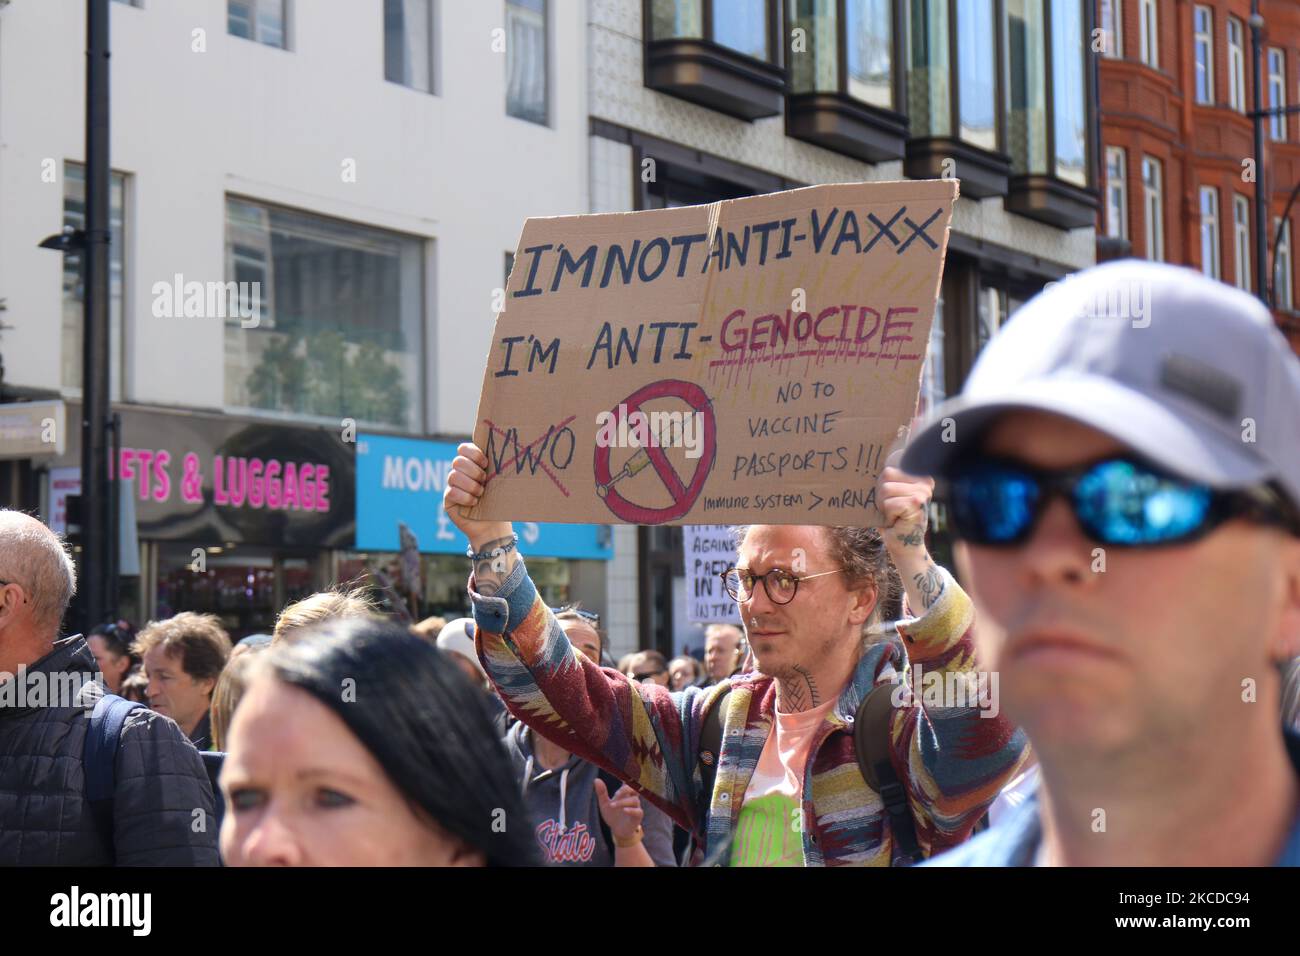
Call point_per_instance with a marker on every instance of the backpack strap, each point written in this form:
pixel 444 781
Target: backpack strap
pixel 871 741
pixel 99 760
pixel 707 760
pixel 711 746
pixel 212 761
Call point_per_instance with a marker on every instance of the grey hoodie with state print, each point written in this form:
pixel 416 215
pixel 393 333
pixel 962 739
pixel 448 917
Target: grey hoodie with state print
pixel 566 812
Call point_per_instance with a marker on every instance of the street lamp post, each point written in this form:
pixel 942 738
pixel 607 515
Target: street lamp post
pixel 95 371
pixel 98 585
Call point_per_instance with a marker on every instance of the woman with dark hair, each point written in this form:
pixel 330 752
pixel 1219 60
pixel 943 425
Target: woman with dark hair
pixel 367 746
pixel 111 645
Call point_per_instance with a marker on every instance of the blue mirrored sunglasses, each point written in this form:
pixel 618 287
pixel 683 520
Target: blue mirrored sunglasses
pixel 1120 502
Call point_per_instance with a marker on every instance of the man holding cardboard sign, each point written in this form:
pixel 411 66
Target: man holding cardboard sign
pixel 788 790
pixel 751 360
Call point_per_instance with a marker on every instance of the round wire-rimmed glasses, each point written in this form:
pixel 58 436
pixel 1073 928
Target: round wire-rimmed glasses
pixel 781 585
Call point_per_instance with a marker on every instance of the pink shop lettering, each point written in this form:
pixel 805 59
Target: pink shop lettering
pixel 236 481
pixel 149 470
pixel 287 486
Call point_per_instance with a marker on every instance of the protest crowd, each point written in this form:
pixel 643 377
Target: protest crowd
pixel 810 735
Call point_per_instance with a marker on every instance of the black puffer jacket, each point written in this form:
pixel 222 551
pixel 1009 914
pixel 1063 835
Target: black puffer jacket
pixel 44 817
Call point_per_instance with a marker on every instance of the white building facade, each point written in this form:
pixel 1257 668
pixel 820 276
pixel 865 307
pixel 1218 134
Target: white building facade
pixel 361 172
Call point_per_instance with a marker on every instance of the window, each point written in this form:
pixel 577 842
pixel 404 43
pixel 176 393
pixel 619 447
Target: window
pixel 259 20
pixel 409 43
pixel 1048 104
pixel 1112 25
pixel 1154 208
pixel 930 75
pixel 868 40
pixel 1027 86
pixel 1276 92
pixel 723 54
pixel 1116 193
pixel 817 68
pixel 1241 241
pixel 1148 31
pixel 1203 25
pixel 74 215
pixel 677 18
pixel 1070 99
pixel 1282 271
pixel 742 26
pixel 1210 256
pixel 341 314
pixel 991 315
pixel 977 60
pixel 869 51
pixel 526 67
pixel 1236 66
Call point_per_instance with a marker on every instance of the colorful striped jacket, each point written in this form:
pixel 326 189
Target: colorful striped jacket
pixel 952 760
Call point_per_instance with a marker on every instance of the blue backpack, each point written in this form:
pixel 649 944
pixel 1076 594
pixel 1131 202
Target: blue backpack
pixel 99 761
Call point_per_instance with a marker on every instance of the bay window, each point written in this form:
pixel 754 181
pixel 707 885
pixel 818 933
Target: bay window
pixel 843 91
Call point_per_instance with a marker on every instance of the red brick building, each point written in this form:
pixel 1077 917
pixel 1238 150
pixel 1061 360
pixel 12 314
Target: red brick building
pixel 1178 163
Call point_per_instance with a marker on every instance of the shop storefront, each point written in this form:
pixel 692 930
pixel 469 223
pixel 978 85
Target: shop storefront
pixel 400 483
pixel 239 518
pixel 232 517
pixel 31 435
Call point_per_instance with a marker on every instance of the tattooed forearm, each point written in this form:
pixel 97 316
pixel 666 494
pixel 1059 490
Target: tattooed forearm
pixel 798 690
pixel 912 538
pixel 929 585
pixel 491 572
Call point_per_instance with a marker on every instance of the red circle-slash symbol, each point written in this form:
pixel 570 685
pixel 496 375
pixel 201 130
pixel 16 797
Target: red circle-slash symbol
pixel 683 495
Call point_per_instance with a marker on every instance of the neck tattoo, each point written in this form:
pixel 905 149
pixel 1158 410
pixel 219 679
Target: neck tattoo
pixel 798 690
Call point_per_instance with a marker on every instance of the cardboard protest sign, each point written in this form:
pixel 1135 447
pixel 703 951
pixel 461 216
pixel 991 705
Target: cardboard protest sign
pixel 747 361
pixel 707 551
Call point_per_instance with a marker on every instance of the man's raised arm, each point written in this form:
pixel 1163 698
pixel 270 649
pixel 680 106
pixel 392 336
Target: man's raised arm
pixel 948 731
pixel 639 732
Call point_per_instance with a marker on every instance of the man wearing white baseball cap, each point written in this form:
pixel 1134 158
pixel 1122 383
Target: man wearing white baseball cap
pixel 457 639
pixel 1123 475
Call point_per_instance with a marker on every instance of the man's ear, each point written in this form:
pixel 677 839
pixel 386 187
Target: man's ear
pixel 865 599
pixel 1286 646
pixel 10 606
pixel 7 608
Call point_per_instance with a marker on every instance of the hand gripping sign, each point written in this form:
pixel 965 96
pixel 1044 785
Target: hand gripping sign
pixel 749 360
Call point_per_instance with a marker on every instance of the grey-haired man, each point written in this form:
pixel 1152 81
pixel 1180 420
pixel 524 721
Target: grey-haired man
pixel 161 804
pixel 1123 473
